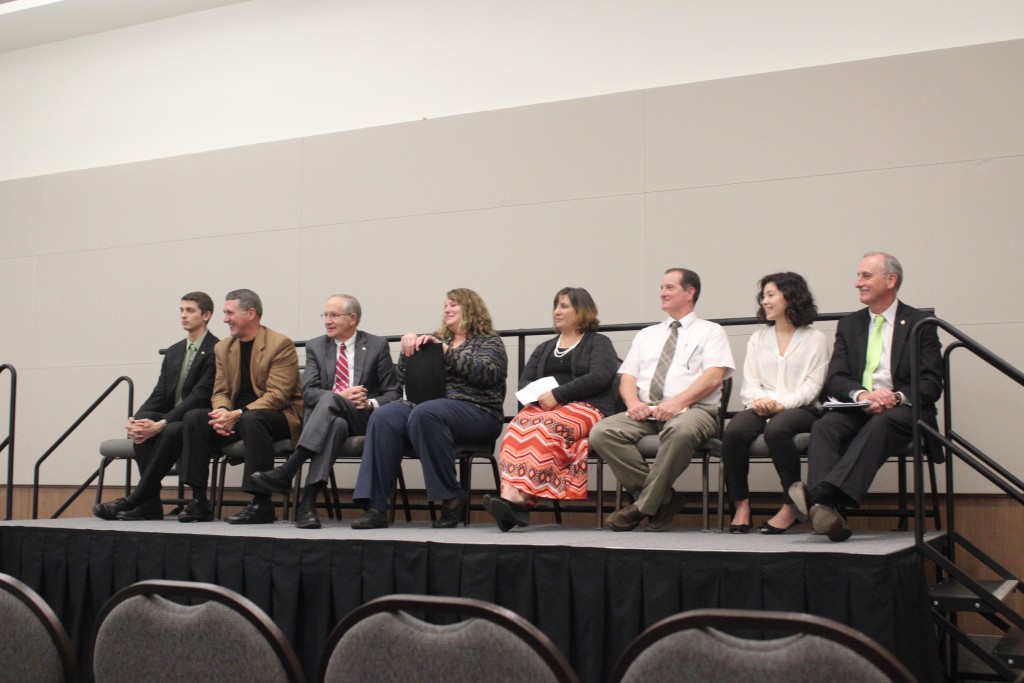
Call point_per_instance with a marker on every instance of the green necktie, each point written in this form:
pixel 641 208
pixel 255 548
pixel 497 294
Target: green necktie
pixel 190 355
pixel 874 351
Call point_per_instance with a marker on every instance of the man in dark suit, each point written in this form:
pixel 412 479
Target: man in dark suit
pixel 185 383
pixel 348 374
pixel 871 365
pixel 256 398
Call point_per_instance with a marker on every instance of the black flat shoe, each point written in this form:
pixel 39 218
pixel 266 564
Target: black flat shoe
pixel 770 530
pixel 739 528
pixel 506 513
pixel 452 516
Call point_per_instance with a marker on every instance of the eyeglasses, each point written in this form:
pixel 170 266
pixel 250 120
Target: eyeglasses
pixel 335 316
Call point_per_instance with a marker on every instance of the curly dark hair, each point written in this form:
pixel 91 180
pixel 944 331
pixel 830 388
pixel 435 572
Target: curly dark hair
pixel 801 309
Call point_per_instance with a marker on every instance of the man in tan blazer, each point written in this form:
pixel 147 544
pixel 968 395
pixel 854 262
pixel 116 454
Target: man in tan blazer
pixel 256 397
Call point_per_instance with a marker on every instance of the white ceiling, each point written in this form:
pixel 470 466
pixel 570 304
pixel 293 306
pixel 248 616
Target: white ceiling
pixel 73 18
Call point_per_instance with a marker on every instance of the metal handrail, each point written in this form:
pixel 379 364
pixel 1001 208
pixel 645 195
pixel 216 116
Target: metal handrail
pixel 8 441
pixel 953 442
pixel 73 427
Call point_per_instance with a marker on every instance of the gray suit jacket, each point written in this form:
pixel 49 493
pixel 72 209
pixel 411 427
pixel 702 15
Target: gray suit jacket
pixel 372 368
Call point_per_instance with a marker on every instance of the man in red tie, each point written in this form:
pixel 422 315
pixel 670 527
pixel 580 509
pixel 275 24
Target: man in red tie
pixel 348 374
pixel 871 365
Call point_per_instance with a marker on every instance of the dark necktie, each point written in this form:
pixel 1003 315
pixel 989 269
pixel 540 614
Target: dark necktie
pixel 661 372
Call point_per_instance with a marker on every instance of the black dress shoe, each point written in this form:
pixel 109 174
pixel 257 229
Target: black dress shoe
pixel 254 513
pixel 451 516
pixel 197 511
pixel 739 528
pixel 371 519
pixel 770 530
pixel 110 510
pixel 827 521
pixel 306 517
pixel 146 510
pixel 506 513
pixel 272 481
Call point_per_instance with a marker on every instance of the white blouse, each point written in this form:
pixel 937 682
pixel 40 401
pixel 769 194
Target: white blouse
pixel 794 379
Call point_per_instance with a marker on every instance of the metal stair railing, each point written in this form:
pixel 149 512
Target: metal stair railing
pixel 8 441
pixel 123 379
pixel 986 596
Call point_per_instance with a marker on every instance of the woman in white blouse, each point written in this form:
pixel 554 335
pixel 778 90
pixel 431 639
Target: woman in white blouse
pixel 783 375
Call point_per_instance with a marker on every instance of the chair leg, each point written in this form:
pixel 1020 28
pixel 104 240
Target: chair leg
pixel 104 462
pixel 332 498
pixel 220 484
pixel 600 493
pixel 127 477
pixel 721 495
pixel 705 477
pixel 405 498
pixel 902 499
pixel 466 478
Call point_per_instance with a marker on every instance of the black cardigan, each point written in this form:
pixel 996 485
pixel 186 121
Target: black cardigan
pixel 594 365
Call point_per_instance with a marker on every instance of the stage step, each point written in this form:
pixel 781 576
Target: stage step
pixel 953 596
pixel 1010 649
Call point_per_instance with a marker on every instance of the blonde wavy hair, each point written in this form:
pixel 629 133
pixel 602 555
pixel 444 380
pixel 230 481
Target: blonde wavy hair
pixel 476 320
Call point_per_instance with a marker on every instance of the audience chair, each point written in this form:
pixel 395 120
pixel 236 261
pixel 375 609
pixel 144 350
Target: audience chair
pixel 380 641
pixel 709 450
pixel 234 454
pixel 144 635
pixel 33 643
pixel 691 647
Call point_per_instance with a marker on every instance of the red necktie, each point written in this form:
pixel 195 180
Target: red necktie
pixel 341 370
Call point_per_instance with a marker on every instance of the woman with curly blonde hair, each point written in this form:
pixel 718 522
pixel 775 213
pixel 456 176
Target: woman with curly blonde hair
pixel 475 365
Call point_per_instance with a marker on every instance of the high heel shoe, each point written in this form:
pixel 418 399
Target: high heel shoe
pixel 739 528
pixel 770 530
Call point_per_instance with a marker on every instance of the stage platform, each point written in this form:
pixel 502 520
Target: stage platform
pixel 591 591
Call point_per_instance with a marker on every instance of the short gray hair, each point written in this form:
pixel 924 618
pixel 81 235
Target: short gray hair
pixel 892 266
pixel 351 305
pixel 246 299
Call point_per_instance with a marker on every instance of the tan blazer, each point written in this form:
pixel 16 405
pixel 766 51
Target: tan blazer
pixel 275 376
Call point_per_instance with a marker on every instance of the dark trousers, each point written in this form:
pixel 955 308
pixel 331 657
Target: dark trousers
pixel 156 456
pixel 325 427
pixel 430 429
pixel 259 429
pixel 849 446
pixel 743 430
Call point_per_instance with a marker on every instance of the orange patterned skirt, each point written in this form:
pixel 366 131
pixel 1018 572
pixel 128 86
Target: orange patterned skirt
pixel 544 452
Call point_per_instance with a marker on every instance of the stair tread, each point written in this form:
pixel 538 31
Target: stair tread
pixel 1011 645
pixel 952 588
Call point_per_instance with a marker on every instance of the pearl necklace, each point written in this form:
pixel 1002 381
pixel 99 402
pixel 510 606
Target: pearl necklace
pixel 559 353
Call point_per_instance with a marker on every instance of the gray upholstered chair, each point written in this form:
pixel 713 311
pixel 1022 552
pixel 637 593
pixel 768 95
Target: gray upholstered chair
pixel 142 635
pixel 33 643
pixel 234 454
pixel 380 641
pixel 690 647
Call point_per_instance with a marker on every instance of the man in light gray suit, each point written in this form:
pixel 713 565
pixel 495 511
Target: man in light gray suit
pixel 348 374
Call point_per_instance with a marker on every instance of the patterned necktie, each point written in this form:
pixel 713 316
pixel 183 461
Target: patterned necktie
pixel 667 352
pixel 179 388
pixel 341 370
pixel 874 351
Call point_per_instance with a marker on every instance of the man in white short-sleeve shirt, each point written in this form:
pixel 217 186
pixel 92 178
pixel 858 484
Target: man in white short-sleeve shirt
pixel 671 383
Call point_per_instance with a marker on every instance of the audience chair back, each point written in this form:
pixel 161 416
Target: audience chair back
pixel 33 643
pixel 143 635
pixel 691 647
pixel 382 642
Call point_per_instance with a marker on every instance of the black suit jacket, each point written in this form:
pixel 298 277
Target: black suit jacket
pixel 198 386
pixel 846 368
pixel 849 356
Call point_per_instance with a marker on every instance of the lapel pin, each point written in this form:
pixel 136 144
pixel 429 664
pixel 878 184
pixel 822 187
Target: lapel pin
pixel 903 322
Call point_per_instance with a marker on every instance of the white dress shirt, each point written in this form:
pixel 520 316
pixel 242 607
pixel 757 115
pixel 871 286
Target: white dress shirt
pixel 793 379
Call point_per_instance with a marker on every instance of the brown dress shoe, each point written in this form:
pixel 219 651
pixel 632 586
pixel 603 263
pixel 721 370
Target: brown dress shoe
pixel 662 519
pixel 625 519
